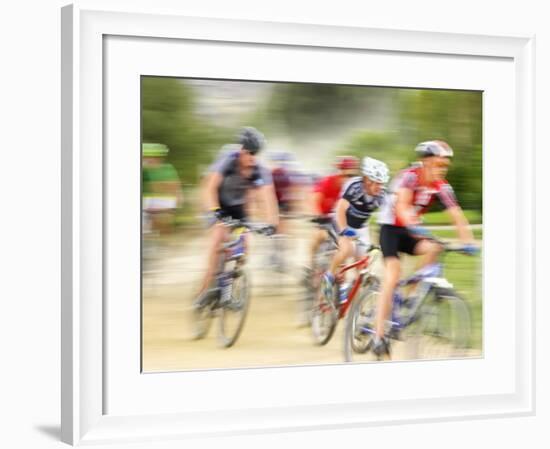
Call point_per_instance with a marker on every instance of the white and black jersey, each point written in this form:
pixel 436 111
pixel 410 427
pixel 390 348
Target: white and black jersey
pixel 361 205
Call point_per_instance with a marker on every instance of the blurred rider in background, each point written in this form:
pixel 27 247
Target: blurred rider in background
pixel 411 193
pixel 326 193
pixel 162 192
pixel 226 194
pixel 283 182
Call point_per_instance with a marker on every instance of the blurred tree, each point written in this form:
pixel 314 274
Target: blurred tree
pixel 304 108
pixel 380 145
pixel 168 117
pixel 453 116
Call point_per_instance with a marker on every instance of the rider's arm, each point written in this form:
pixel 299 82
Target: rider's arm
pixel 403 207
pixel 212 184
pixel 447 197
pixel 462 225
pixel 269 199
pixel 341 208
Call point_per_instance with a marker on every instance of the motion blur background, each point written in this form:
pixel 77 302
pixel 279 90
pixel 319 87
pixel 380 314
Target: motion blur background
pixel 311 124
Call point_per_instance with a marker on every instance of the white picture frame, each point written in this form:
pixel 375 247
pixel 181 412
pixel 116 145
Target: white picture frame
pixel 85 417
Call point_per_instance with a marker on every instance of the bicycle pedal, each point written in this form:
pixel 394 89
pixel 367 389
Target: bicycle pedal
pixel 203 300
pixel 381 349
pixel 395 334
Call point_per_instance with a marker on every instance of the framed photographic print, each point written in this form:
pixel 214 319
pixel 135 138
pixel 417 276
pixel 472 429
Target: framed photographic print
pixel 322 140
pixel 202 290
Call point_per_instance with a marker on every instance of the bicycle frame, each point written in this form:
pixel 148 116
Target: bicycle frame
pixel 361 265
pixel 432 275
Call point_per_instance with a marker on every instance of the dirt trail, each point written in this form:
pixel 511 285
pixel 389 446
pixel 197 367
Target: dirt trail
pixel 271 335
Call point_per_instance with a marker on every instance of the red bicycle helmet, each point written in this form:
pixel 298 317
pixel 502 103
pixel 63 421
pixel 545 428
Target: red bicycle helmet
pixel 347 163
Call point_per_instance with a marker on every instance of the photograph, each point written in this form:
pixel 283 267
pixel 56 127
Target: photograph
pixel 292 224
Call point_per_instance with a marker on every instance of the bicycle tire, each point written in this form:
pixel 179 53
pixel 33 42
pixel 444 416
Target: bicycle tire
pixel 202 319
pixel 238 305
pixel 361 314
pixel 442 329
pixel 324 317
pixel 313 283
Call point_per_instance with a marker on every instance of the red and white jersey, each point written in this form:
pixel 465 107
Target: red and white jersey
pixel 423 195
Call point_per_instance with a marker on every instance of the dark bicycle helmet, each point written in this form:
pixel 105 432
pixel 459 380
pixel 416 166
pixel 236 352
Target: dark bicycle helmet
pixel 251 139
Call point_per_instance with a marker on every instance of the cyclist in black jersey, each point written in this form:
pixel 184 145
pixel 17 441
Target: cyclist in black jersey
pixel 359 198
pixel 226 189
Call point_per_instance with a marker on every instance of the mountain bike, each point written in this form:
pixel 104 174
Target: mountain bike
pixel 229 296
pixel 329 309
pixel 434 322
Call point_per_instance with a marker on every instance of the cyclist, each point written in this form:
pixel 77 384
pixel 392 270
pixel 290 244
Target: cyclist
pixel 326 193
pixel 283 180
pixel 229 181
pixel 283 183
pixel 162 192
pixel 360 197
pixel 411 192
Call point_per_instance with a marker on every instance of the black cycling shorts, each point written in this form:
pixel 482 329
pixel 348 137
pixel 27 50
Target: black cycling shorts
pixel 234 212
pixel 395 240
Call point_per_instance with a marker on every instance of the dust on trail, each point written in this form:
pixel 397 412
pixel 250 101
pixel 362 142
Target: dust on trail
pixel 271 336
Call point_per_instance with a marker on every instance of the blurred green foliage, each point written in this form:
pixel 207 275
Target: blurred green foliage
pixel 302 109
pixel 168 117
pixel 453 116
pixel 442 218
pixel 300 106
pixel 381 145
pixel 384 123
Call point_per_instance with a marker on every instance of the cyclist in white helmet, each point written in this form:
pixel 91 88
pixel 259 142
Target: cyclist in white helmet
pixel 359 198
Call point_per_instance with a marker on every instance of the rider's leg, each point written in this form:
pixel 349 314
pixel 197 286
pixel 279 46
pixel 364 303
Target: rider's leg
pixel 319 236
pixel 392 272
pixel 278 253
pixel 429 249
pixel 218 234
pixel 346 248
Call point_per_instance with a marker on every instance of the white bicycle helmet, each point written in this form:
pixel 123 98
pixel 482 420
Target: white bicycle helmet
pixel 434 148
pixel 375 170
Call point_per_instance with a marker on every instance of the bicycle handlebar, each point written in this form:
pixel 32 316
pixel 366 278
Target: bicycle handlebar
pixel 451 247
pixel 258 228
pixel 321 220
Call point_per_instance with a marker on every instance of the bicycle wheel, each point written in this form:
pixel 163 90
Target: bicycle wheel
pixel 202 315
pixel 441 328
pixel 305 301
pixel 233 313
pixel 360 322
pixel 324 316
pixel 312 284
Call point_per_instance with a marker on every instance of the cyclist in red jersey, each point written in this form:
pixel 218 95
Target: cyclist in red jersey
pixel 326 194
pixel 410 194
